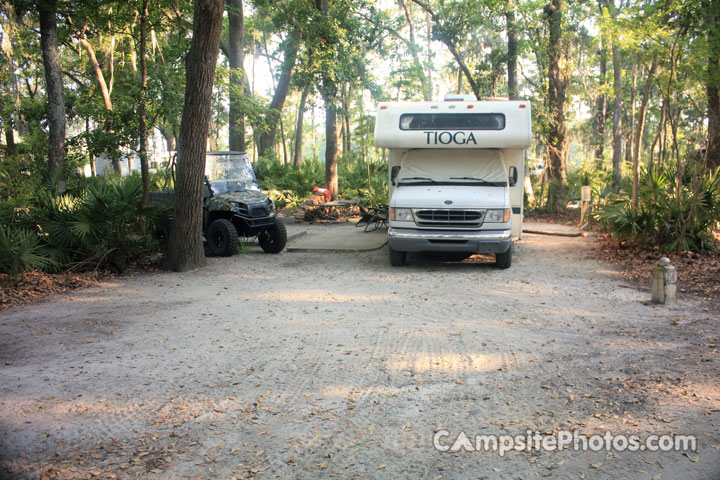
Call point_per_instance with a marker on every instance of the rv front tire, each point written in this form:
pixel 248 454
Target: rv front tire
pixel 504 260
pixel 397 258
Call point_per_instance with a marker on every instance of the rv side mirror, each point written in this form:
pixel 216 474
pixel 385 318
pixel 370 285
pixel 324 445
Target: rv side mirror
pixel 513 176
pixel 258 173
pixel 394 173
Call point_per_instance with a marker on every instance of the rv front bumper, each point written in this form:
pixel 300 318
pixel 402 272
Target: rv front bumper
pixel 411 240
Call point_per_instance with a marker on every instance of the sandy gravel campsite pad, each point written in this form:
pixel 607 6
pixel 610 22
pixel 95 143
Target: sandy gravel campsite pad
pixel 335 365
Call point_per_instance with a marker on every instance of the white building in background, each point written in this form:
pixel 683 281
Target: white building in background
pixel 159 158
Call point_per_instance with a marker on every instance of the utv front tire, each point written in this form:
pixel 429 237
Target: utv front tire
pixel 504 260
pixel 222 238
pixel 274 239
pixel 397 258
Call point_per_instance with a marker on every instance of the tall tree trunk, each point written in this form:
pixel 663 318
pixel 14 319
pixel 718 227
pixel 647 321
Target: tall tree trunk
pixel 111 81
pixel 617 115
pixel 10 140
pixel 142 107
pixel 329 92
pixel 236 60
pixel 345 117
pixel 658 134
pixel 282 140
pixel 429 55
pixel 512 55
pixel 631 117
pixel 297 160
pixel 98 73
pixel 185 248
pixel 331 147
pixel 601 105
pixel 312 134
pixel 413 49
pixel 56 98
pixel 557 130
pixel 91 157
pixel 712 154
pixel 106 97
pixel 640 131
pixel 267 138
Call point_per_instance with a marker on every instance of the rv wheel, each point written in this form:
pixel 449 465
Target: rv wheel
pixel 504 260
pixel 397 258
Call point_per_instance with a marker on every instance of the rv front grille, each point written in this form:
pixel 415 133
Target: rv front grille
pixel 449 218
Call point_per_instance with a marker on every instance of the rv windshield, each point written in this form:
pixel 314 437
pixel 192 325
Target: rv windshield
pixel 453 167
pixel 230 172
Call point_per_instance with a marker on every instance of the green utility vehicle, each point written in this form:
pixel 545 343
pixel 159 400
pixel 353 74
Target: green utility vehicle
pixel 233 206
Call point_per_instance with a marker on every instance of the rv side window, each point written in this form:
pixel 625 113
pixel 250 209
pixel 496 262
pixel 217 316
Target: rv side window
pixel 452 121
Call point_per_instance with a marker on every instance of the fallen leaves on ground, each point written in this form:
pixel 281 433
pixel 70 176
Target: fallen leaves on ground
pixel 31 286
pixel 698 273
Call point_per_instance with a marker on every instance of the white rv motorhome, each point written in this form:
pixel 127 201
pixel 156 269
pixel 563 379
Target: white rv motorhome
pixel 454 168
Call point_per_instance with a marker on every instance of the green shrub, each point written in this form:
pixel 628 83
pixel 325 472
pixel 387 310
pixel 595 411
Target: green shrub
pixel 101 221
pixel 672 215
pixel 287 185
pixel 600 182
pixel 22 250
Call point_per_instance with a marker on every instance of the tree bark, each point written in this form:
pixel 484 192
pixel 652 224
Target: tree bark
pixel 640 131
pixel 429 55
pixel 236 60
pixel 631 118
pixel 328 90
pixel 617 115
pixel 345 117
pixel 413 48
pixel 297 160
pixel 98 73
pixel 512 55
pixel 185 248
pixel 56 98
pixel 331 147
pixel 267 138
pixel 557 131
pixel 106 97
pixel 601 105
pixel 91 157
pixel 142 107
pixel 10 140
pixel 712 154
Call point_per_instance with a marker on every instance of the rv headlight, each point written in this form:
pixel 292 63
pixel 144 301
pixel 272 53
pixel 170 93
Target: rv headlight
pixel 498 216
pixel 401 214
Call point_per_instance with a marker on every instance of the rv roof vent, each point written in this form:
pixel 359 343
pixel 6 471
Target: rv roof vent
pixel 460 98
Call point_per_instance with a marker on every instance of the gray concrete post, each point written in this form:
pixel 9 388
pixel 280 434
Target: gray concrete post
pixel 664 280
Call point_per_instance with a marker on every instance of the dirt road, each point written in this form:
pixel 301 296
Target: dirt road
pixel 329 365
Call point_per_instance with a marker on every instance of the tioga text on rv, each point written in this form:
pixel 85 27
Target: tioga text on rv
pixel 446 138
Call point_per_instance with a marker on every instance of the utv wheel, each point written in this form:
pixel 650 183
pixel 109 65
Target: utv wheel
pixel 397 258
pixel 222 238
pixel 504 260
pixel 273 239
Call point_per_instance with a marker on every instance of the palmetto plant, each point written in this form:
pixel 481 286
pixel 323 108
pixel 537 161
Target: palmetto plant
pixel 363 181
pixel 21 250
pixel 101 219
pixel 676 210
